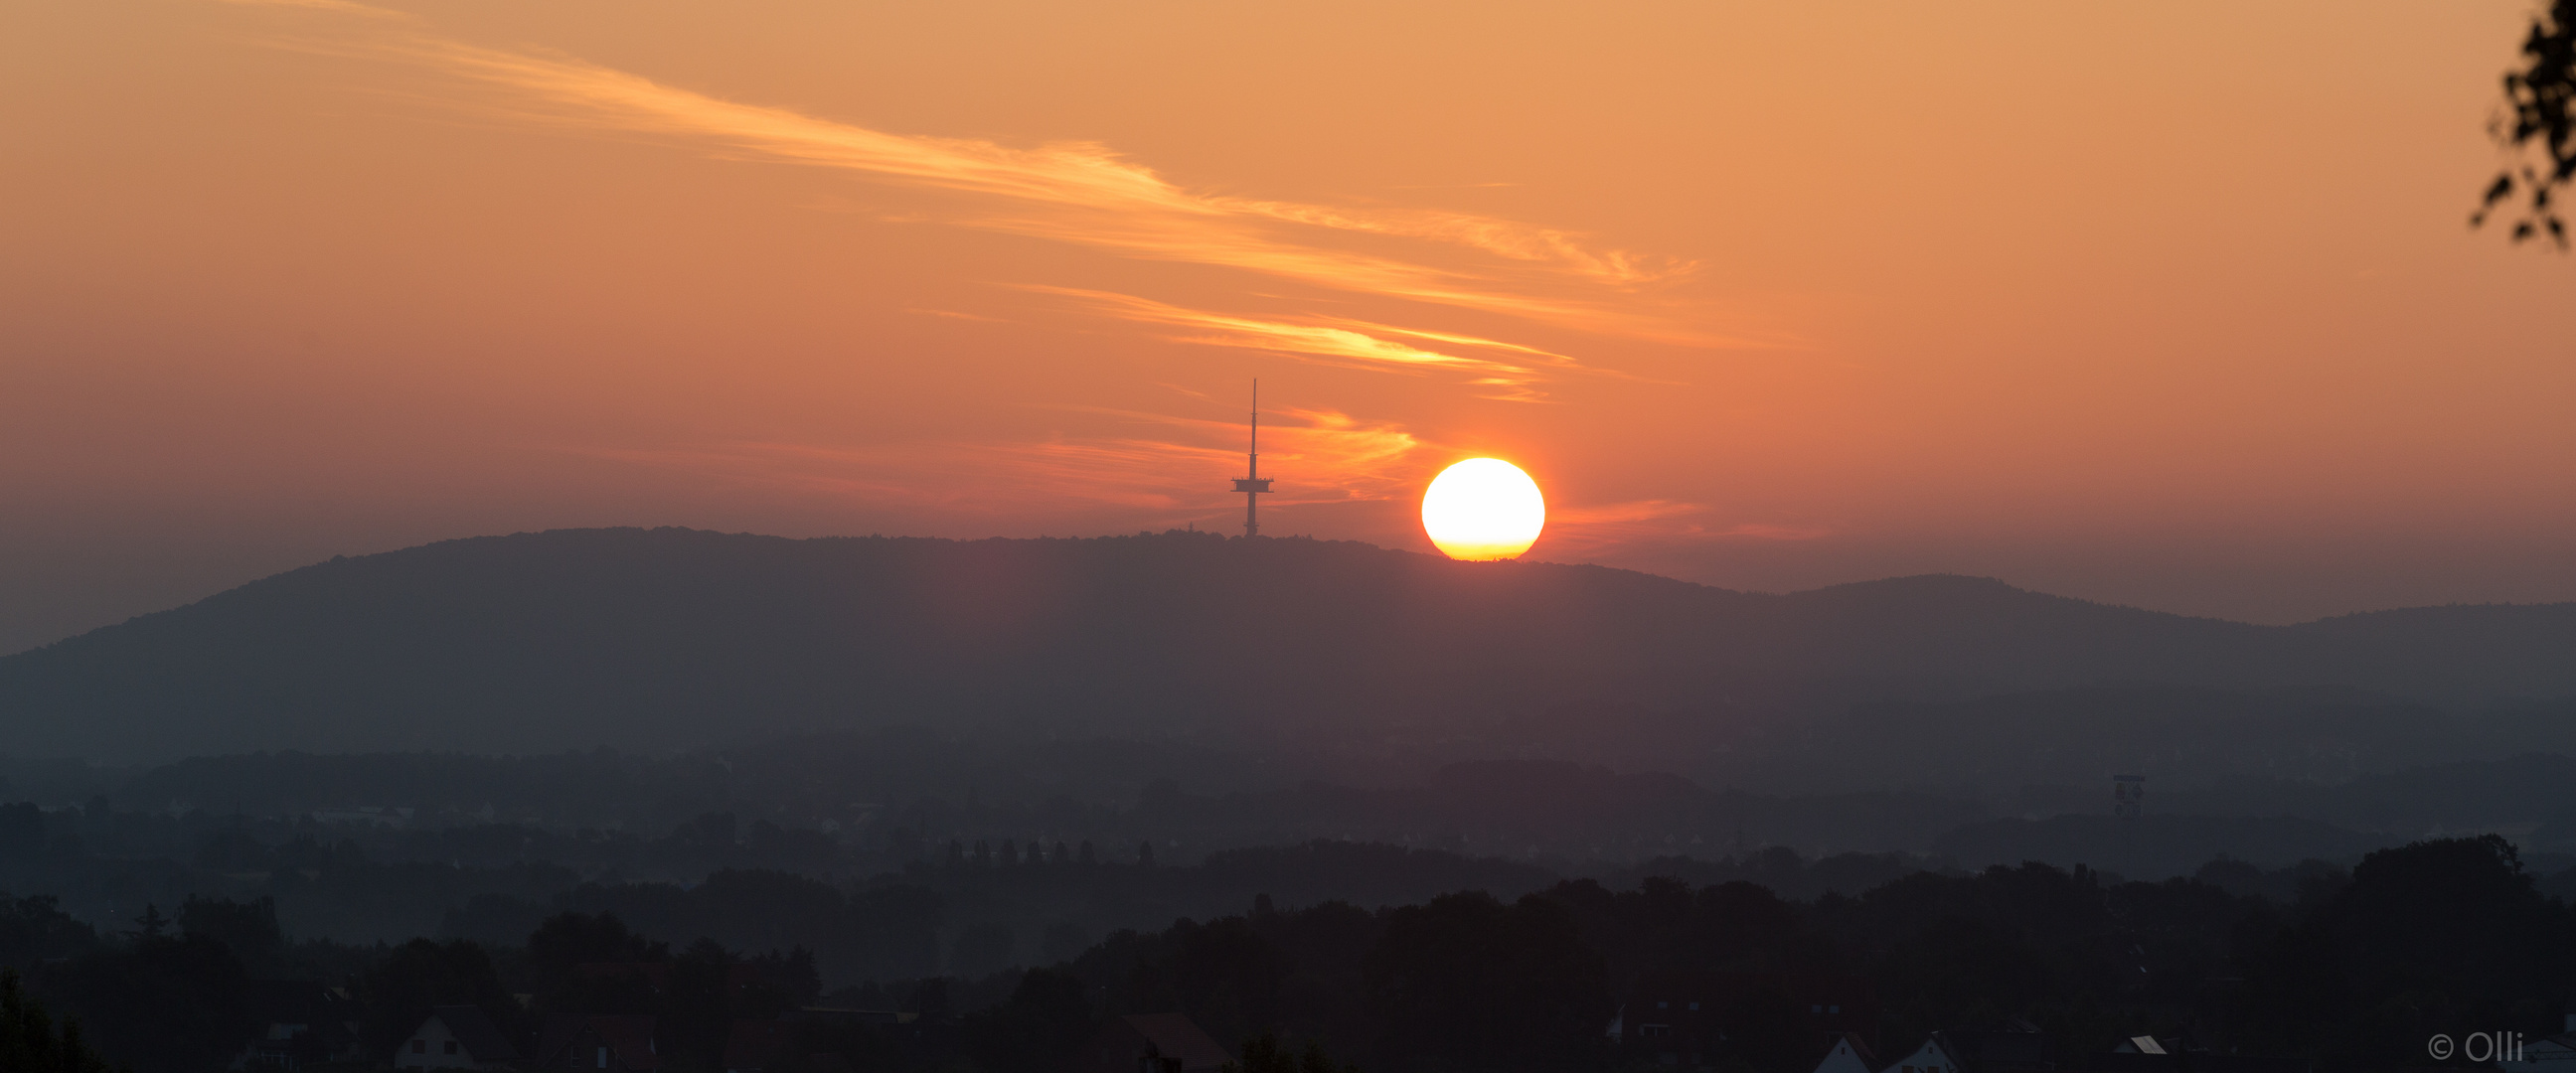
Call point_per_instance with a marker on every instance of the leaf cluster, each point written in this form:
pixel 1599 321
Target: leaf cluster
pixel 2539 112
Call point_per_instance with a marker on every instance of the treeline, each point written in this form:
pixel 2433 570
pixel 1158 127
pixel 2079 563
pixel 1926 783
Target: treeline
pixel 868 802
pixel 357 884
pixel 30 1038
pixel 971 916
pixel 2351 970
pixel 1000 901
pixel 865 802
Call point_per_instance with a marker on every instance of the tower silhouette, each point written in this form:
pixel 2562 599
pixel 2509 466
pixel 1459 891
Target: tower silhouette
pixel 1253 483
pixel 2128 796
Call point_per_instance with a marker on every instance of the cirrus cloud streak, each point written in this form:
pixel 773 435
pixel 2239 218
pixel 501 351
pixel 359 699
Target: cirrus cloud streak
pixel 1334 457
pixel 1081 193
pixel 1336 340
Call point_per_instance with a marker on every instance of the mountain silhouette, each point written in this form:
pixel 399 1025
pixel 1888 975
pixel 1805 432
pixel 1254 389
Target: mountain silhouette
pixel 638 638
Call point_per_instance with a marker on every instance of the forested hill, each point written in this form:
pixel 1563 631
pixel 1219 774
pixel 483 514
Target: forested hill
pixel 650 638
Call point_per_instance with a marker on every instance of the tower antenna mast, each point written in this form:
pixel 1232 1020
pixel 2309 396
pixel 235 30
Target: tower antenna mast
pixel 1253 483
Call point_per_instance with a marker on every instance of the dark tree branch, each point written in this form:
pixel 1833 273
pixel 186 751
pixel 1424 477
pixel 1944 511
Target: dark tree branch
pixel 2540 112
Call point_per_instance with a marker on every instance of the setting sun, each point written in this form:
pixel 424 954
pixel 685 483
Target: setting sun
pixel 1483 508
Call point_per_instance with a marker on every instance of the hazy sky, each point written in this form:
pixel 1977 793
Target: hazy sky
pixel 2170 305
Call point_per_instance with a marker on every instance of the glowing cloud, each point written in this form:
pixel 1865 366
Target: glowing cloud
pixel 339 7
pixel 1075 192
pixel 1648 523
pixel 1334 458
pixel 1337 341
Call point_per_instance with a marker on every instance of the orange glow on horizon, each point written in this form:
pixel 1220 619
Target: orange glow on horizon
pixel 1785 296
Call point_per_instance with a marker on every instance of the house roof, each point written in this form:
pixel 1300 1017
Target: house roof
pixel 1940 1047
pixel 1174 1035
pixel 2555 1052
pixel 476 1032
pixel 631 1038
pixel 1846 1053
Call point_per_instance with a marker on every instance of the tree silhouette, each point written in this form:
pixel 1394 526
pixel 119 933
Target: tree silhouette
pixel 28 1039
pixel 1468 983
pixel 401 988
pixel 248 928
pixel 2540 107
pixel 160 1003
pixel 1265 1054
pixel 1044 1023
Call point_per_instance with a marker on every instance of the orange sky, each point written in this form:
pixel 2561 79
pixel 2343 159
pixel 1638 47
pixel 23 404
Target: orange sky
pixel 2170 305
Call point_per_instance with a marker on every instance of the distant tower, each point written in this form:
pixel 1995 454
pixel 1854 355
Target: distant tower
pixel 1254 484
pixel 2128 796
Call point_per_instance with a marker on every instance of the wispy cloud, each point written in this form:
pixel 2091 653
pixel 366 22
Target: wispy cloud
pixel 1767 531
pixel 337 7
pixel 1338 341
pixel 951 314
pixel 1172 468
pixel 1629 513
pixel 1579 531
pixel 1076 192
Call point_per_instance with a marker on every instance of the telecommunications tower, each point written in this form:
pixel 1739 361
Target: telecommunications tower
pixel 2128 796
pixel 1253 484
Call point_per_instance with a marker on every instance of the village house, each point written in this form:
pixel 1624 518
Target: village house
pixel 1848 1054
pixel 456 1037
pixel 2020 1047
pixel 1936 1055
pixel 584 1041
pixel 301 1023
pixel 1682 1015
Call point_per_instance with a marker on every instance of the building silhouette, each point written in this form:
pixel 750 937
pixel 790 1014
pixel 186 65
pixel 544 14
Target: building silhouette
pixel 1252 484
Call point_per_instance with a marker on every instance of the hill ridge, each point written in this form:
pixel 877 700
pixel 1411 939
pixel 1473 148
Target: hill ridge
pixel 667 636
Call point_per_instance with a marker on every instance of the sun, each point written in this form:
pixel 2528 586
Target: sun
pixel 1483 508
